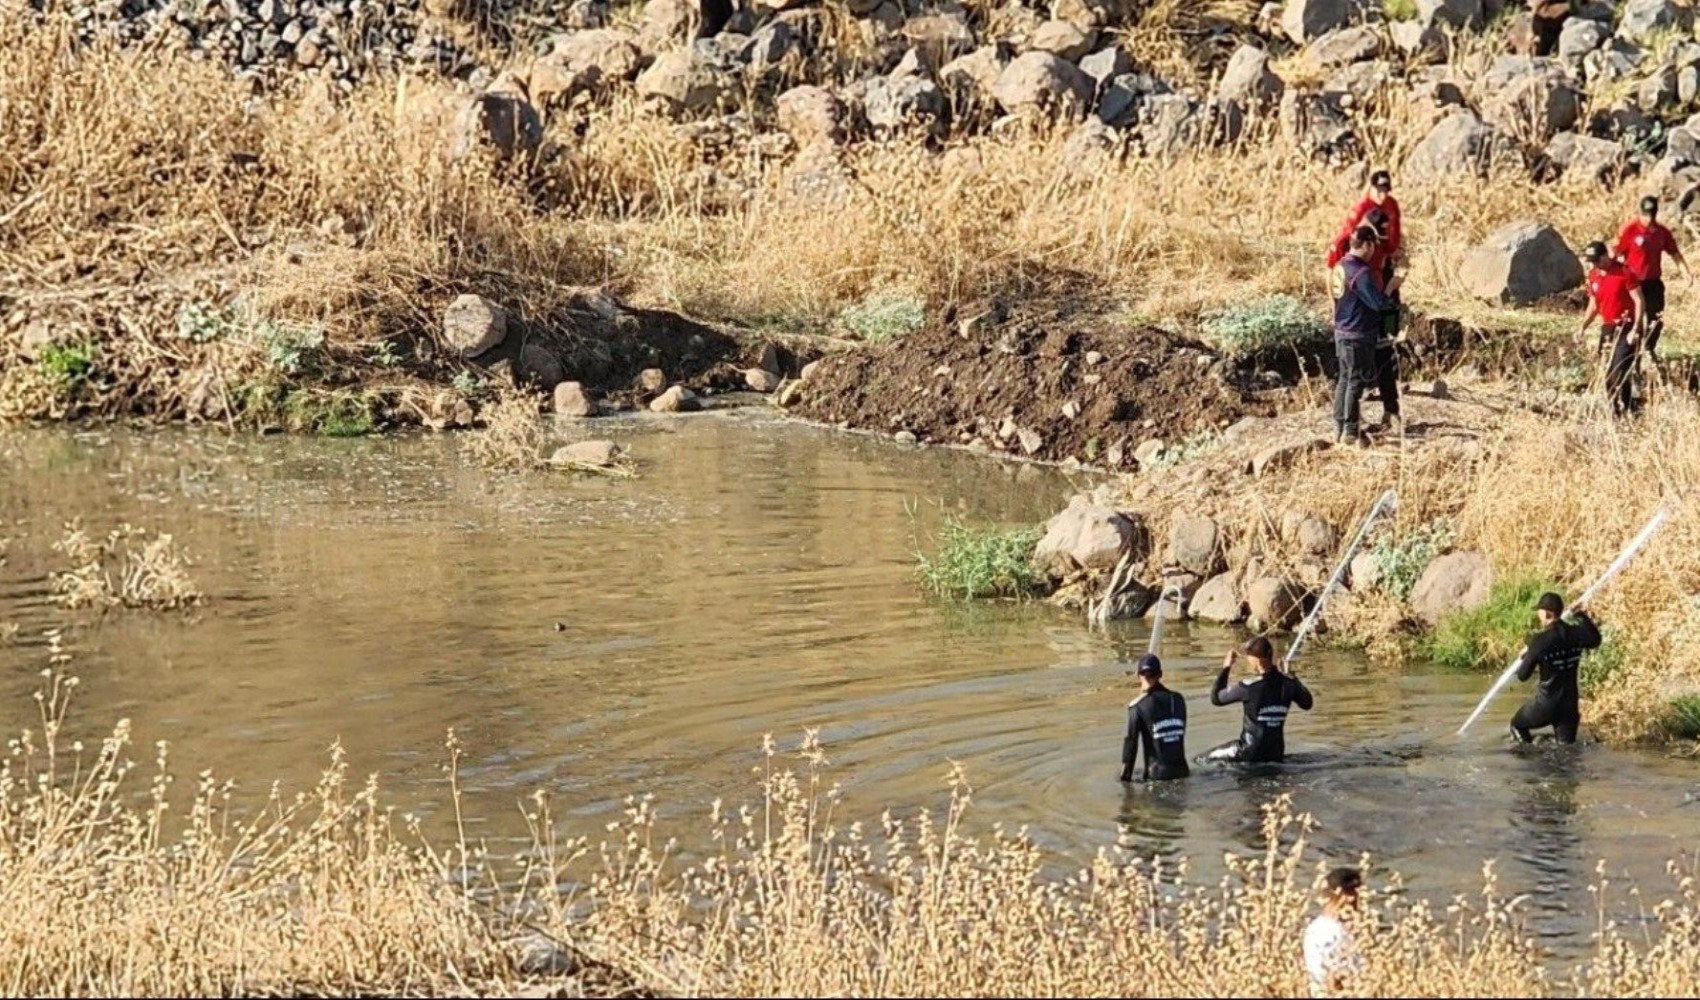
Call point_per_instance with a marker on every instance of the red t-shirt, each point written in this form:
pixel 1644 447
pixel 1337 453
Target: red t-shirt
pixel 1643 248
pixel 1343 241
pixel 1610 285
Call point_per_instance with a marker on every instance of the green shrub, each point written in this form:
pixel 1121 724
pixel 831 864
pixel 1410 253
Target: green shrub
pixel 1402 558
pixel 330 414
pixel 882 316
pixel 1682 717
pixel 1186 449
pixel 1487 637
pixel 1400 10
pixel 980 562
pixel 1600 665
pixel 289 348
pixel 1273 323
pixel 67 363
pixel 468 385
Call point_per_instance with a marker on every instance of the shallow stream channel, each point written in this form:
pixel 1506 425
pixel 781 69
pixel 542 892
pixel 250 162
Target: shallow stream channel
pixel 597 638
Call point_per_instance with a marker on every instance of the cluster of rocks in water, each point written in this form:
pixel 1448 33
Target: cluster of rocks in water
pixel 1266 585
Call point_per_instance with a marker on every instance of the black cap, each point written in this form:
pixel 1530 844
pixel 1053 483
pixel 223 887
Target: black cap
pixel 1376 218
pixel 1551 603
pixel 1259 647
pixel 1381 180
pixel 1344 881
pixel 1649 205
pixel 1594 252
pixel 1149 666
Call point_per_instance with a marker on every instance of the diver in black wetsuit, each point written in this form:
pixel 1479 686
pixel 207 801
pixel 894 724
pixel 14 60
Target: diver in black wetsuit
pixel 1267 699
pixel 1157 719
pixel 1557 650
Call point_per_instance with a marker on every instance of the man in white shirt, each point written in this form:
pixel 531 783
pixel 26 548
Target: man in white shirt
pixel 1330 958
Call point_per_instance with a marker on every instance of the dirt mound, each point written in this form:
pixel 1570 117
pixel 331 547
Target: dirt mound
pixel 1042 381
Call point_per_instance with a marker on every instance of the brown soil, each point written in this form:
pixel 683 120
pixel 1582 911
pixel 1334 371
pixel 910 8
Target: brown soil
pixel 1090 386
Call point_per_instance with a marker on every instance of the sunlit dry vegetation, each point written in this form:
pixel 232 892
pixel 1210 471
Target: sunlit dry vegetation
pixel 126 568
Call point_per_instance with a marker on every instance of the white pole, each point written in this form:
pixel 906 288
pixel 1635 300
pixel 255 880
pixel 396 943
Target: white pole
pixel 1157 620
pixel 1615 568
pixel 1388 501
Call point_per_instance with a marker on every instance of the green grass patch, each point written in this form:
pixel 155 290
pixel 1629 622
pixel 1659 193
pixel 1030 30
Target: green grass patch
pixel 1489 636
pixel 330 414
pixel 1599 666
pixel 1278 322
pixel 67 363
pixel 1401 558
pixel 1682 717
pixel 883 316
pixel 971 561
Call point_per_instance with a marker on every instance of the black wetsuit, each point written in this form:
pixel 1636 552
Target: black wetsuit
pixel 1557 651
pixel 1157 719
pixel 1266 700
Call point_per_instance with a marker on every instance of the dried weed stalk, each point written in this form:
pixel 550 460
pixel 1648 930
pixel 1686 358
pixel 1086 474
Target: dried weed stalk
pixel 125 569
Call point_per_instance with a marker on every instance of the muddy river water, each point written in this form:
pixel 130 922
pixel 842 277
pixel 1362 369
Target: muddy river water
pixel 598 637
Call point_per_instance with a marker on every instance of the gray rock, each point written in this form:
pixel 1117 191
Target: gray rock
pixel 1456 582
pixel 610 54
pixel 761 380
pixel 1168 124
pixel 1531 98
pixel 810 114
pixel 572 400
pixel 1316 537
pixel 1643 20
pixel 1419 44
pixel 685 81
pixel 1658 91
pixel 1147 452
pixel 1306 20
pixel 676 399
pixel 1039 82
pixel 666 21
pixel 473 324
pixel 1585 156
pixel 1273 603
pixel 1345 46
pixel 895 103
pixel 1217 601
pixel 1031 441
pixel 969 80
pixel 1063 39
pixel 1460 143
pixel 1580 37
pixel 1088 536
pixel 540 955
pixel 595 454
pixel 1249 79
pixel 539 367
pixel 506 123
pixel 1319 124
pixel 1520 263
pixel 1459 14
pixel 770 44
pixel 1195 545
pixel 1106 64
pixel 941 36
pixel 1363 82
pixel 1364 574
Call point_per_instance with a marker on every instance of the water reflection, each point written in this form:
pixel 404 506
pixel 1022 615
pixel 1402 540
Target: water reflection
pixel 1151 822
pixel 1547 831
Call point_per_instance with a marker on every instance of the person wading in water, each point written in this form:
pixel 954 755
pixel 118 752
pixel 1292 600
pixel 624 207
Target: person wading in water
pixel 1267 699
pixel 1556 650
pixel 1156 720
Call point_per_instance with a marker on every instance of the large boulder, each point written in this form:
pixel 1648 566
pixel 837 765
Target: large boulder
pixel 1195 545
pixel 666 21
pixel 1579 37
pixel 1456 582
pixel 1169 124
pixel 686 81
pixel 1248 78
pixel 810 115
pixel 472 324
pixel 1118 104
pixel 1306 20
pixel 677 399
pixel 1583 156
pixel 940 36
pixel 1644 20
pixel 1273 603
pixel 1418 44
pixel 1319 124
pixel 1063 39
pixel 1364 82
pixel 1365 574
pixel 1460 143
pixel 970 80
pixel 608 53
pixel 504 122
pixel 1106 64
pixel 538 367
pixel 1520 263
pixel 1465 14
pixel 1345 46
pixel 1532 98
pixel 572 400
pixel 1087 536
pixel 1040 82
pixel 1316 537
pixel 1217 601
pixel 895 103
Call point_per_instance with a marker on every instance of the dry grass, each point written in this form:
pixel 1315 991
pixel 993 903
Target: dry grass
pixel 125 569
pixel 513 436
pixel 118 885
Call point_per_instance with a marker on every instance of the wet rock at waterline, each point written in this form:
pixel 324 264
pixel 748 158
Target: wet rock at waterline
pixel 538 367
pixel 761 380
pixel 651 381
pixel 1273 603
pixel 1087 536
pixel 589 454
pixel 572 400
pixel 1217 601
pixel 473 324
pixel 677 399
pixel 1456 582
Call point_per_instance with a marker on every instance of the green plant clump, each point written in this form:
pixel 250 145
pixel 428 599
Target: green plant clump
pixel 1272 323
pixel 980 561
pixel 67 363
pixel 330 414
pixel 1682 717
pixel 1400 10
pixel 1601 665
pixel 883 316
pixel 1401 559
pixel 1489 636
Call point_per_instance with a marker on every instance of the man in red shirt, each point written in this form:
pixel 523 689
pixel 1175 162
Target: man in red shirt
pixel 1642 246
pixel 1615 297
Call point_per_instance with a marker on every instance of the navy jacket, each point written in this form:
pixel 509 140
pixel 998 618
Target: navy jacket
pixel 1357 313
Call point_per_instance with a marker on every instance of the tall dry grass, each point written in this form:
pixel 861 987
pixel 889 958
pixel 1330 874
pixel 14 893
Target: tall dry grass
pixel 119 883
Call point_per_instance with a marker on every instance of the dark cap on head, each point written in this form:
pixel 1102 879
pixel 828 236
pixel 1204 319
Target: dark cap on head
pixel 1381 180
pixel 1260 647
pixel 1551 603
pixel 1594 252
pixel 1376 218
pixel 1344 881
pixel 1649 205
pixel 1149 666
pixel 1365 236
